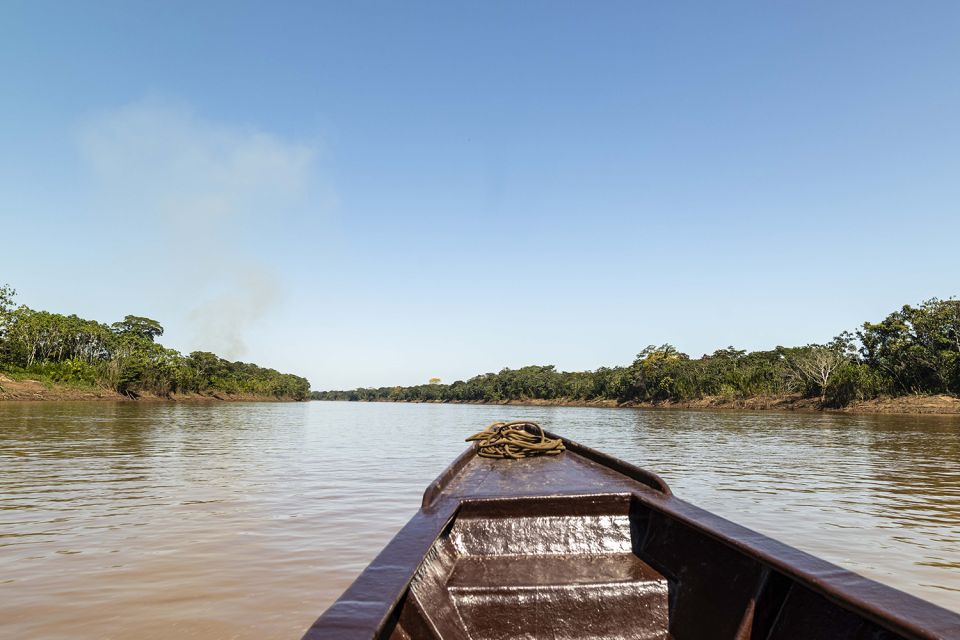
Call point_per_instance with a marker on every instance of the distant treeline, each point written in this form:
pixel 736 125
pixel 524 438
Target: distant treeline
pixel 124 356
pixel 915 350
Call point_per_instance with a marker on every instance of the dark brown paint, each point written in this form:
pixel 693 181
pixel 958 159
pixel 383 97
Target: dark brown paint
pixel 583 545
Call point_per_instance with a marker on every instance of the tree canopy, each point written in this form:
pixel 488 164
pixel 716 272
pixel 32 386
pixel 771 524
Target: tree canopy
pixel 138 327
pixel 125 356
pixel 914 350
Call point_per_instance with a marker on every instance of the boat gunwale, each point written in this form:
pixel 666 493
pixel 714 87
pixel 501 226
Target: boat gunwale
pixel 845 588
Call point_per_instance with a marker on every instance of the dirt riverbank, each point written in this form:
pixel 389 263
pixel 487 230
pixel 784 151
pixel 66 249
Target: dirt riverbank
pixel 30 390
pixel 918 404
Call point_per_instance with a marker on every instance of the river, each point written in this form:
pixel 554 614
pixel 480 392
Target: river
pixel 246 520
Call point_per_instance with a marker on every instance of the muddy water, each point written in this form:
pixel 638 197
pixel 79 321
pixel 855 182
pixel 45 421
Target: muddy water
pixel 247 520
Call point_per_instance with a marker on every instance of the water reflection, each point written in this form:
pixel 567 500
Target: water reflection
pixel 246 520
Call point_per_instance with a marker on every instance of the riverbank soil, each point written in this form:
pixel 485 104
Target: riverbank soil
pixel 908 404
pixel 917 404
pixel 11 389
pixel 900 405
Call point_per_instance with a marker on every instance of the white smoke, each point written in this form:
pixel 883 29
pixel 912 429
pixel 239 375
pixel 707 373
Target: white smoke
pixel 202 194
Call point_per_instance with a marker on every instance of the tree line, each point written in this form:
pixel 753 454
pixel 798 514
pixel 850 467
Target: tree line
pixel 124 356
pixel 915 350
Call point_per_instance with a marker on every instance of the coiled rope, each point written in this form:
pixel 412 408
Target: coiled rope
pixel 514 440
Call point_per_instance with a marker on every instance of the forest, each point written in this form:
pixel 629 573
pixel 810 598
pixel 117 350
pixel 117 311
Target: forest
pixel 915 350
pixel 124 356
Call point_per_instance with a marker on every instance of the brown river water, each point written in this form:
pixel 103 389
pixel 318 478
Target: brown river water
pixel 247 520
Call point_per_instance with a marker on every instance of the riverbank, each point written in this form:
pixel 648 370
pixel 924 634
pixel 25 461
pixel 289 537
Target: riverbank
pixel 36 390
pixel 900 405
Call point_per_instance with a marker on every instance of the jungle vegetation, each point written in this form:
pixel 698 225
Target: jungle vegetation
pixel 124 356
pixel 915 350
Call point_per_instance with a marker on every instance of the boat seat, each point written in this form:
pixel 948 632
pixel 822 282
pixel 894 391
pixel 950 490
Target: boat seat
pixel 535 571
pixel 560 596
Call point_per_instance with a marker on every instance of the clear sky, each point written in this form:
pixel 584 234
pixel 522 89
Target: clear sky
pixel 377 193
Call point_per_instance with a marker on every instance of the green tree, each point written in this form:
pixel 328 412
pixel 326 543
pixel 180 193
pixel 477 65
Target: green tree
pixel 917 347
pixel 7 294
pixel 138 326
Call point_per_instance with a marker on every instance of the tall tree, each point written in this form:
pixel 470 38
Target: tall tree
pixel 6 298
pixel 814 367
pixel 138 326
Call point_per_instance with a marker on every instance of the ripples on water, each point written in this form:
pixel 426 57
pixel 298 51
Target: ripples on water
pixel 247 520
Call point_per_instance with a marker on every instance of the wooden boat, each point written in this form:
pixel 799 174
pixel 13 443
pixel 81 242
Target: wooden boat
pixel 582 545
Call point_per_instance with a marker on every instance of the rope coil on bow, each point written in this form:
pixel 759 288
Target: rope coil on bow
pixel 513 440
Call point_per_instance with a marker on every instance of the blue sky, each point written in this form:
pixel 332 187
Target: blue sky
pixel 377 193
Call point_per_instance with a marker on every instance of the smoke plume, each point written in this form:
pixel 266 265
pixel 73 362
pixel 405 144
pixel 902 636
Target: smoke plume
pixel 202 196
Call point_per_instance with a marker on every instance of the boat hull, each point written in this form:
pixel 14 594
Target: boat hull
pixel 582 545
